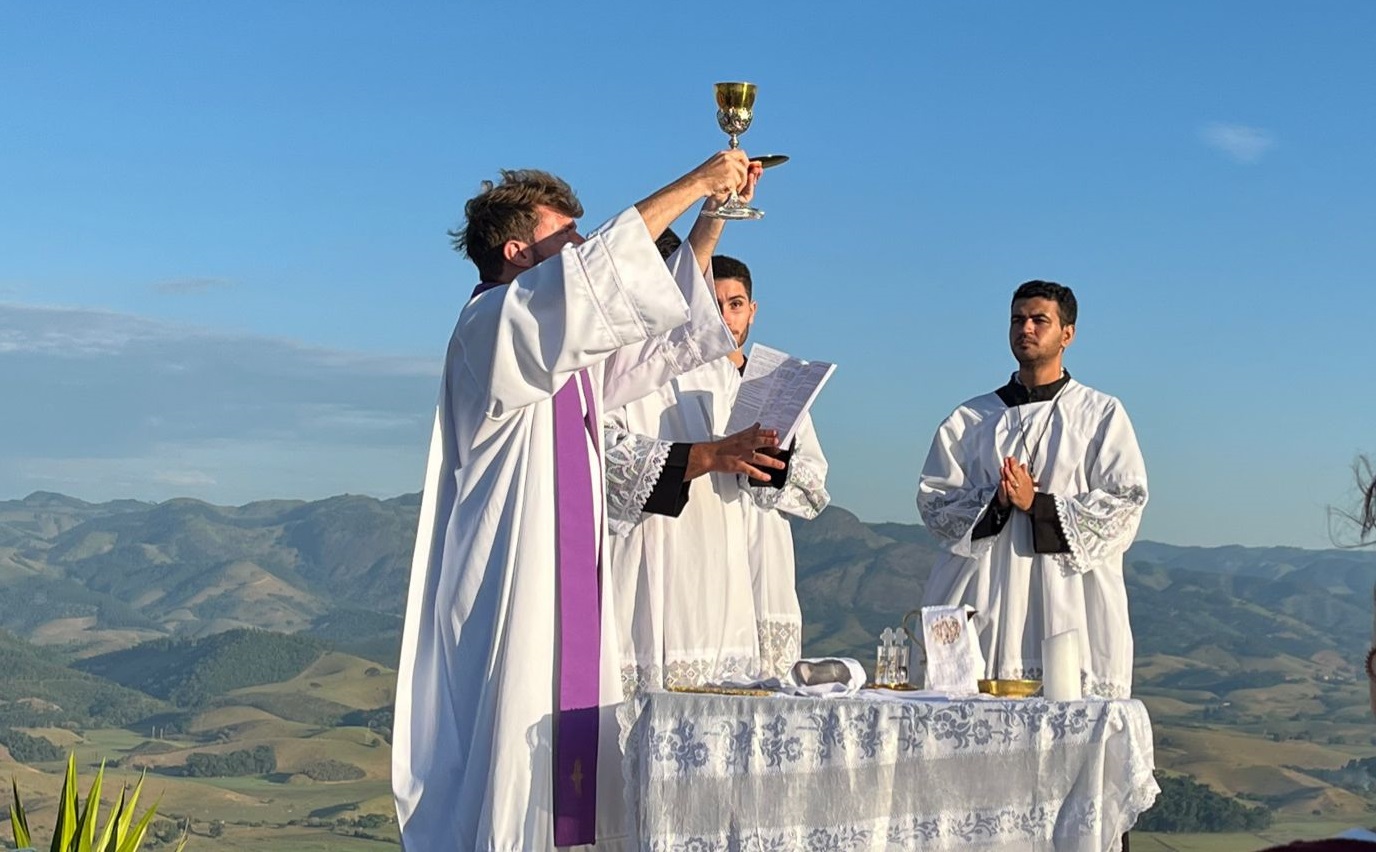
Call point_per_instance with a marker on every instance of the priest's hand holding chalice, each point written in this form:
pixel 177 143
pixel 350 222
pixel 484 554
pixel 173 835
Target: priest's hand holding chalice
pixel 735 110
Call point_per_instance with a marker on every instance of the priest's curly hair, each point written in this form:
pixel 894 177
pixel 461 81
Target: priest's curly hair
pixel 1062 295
pixel 506 211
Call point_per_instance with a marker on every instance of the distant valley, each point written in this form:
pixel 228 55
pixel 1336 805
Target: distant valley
pixel 132 628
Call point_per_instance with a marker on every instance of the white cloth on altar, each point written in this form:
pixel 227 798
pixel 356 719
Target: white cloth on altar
pixel 472 757
pixel 1088 458
pixel 773 568
pixel 879 774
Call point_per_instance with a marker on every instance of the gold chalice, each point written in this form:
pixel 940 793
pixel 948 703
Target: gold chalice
pixel 735 109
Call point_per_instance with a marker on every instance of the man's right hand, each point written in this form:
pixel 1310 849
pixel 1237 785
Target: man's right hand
pixel 738 453
pixel 723 173
pixel 1005 500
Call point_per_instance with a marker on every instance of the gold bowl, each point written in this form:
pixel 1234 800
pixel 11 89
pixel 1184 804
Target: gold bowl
pixel 1010 688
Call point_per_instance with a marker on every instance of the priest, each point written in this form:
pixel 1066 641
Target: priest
pixel 1035 491
pixel 500 688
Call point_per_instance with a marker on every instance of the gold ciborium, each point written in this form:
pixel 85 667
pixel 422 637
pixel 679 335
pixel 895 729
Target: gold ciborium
pixel 735 109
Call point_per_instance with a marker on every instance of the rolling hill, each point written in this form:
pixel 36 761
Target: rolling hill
pixel 129 611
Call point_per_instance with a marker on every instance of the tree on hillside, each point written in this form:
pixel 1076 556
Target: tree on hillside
pixel 28 749
pixel 1363 518
pixel 1366 483
pixel 191 672
pixel 1187 805
pixel 262 760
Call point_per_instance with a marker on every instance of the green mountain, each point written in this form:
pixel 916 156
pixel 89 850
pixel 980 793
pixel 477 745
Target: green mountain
pixel 38 688
pixel 1247 657
pixel 99 578
pixel 854 579
pixel 190 672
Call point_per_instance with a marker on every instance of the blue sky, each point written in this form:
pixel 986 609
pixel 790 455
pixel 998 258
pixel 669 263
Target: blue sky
pixel 224 271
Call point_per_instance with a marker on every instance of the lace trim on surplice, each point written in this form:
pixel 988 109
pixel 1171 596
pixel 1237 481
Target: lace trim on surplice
pixel 634 463
pixel 1099 525
pixel 781 646
pixel 681 674
pixel 805 493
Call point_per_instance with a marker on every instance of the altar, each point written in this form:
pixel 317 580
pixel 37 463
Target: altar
pixel 885 771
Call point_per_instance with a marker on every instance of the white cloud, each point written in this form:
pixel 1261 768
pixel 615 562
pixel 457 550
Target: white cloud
pixel 1241 143
pixel 102 405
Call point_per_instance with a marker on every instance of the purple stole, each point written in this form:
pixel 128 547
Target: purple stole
pixel 578 657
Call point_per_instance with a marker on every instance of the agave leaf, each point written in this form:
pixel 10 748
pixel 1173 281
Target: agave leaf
pixel 106 843
pixel 19 822
pixel 134 839
pixel 66 811
pixel 86 833
pixel 126 817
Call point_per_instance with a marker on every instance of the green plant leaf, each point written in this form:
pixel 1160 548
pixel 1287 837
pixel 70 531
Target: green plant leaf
pixel 134 839
pixel 126 817
pixel 107 841
pixel 65 829
pixel 19 822
pixel 86 833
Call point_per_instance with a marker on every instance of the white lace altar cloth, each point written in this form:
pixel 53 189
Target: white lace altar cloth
pixel 729 773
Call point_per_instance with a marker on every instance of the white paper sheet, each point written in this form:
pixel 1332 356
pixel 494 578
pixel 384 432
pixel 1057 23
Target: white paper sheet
pixel 776 391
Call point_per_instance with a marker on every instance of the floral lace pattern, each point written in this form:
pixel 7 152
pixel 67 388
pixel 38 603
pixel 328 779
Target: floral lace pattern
pixel 781 645
pixel 1101 524
pixel 1090 686
pixel 804 494
pixel 951 516
pixel 634 463
pixel 637 679
pixel 735 773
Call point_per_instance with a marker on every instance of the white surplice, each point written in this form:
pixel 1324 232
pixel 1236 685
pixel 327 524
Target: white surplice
pixel 685 610
pixel 1085 454
pixel 773 573
pixel 472 755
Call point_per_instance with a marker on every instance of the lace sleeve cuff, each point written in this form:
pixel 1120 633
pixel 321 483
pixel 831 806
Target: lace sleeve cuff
pixel 804 493
pixel 634 464
pixel 1099 525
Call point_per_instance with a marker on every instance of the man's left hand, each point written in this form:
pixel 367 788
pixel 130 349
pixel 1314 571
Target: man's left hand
pixel 746 193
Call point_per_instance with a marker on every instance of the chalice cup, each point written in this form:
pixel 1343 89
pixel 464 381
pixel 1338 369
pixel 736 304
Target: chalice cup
pixel 735 109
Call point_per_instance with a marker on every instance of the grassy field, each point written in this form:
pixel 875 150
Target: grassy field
pixel 1280 833
pixel 1263 744
pixel 282 811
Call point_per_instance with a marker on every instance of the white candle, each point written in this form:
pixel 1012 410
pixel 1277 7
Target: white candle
pixel 1061 667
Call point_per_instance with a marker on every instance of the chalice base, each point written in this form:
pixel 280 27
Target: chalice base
pixel 737 212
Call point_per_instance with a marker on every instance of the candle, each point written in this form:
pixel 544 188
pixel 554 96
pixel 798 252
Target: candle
pixel 1061 667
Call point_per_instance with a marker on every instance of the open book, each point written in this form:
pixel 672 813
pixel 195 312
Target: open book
pixel 776 391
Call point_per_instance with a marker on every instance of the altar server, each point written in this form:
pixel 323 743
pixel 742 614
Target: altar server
pixel 1035 491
